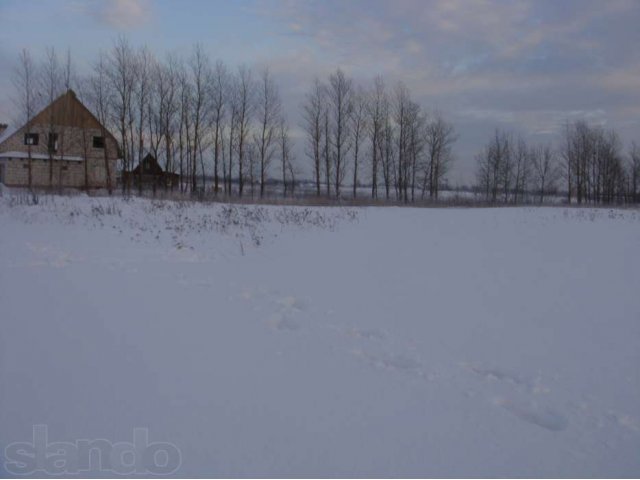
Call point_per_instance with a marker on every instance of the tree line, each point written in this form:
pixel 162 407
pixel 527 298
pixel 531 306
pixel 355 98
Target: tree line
pixel 381 134
pixel 224 131
pixel 589 166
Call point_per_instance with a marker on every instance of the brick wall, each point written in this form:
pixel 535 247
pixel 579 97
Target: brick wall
pixel 72 141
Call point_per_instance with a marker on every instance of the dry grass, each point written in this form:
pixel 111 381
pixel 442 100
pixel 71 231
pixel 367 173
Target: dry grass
pixel 304 199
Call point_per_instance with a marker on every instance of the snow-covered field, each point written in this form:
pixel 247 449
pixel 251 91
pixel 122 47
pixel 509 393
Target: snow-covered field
pixel 280 341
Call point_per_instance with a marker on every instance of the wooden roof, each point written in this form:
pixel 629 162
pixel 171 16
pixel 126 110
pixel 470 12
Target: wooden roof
pixel 68 111
pixel 150 166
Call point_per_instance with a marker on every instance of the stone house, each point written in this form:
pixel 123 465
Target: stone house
pixel 63 146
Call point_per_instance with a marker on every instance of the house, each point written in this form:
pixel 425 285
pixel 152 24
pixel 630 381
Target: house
pixel 152 174
pixel 62 146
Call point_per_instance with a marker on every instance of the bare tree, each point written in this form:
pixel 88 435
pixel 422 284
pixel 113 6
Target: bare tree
pixel 440 137
pixel 120 69
pixel 522 168
pixel 593 163
pixel 269 109
pixel 326 150
pixel 234 109
pixel 51 84
pixel 313 126
pixel 223 158
pixel 544 168
pixel 200 69
pixel 185 126
pixel 417 125
pixel 101 96
pixel 505 165
pixel 68 72
pixel 579 147
pixel 405 113
pixel 251 156
pixel 340 94
pixel 292 176
pixel 143 65
pixel 155 107
pixel 245 109
pixel 24 82
pixel 484 172
pixel 220 89
pixel 388 153
pixel 375 124
pixel 634 173
pixel 495 167
pixel 607 183
pixel 285 155
pixel 567 154
pixel 68 78
pixel 359 128
pixel 163 110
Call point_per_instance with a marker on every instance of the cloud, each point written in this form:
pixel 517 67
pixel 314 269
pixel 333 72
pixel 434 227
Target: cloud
pixel 125 14
pixel 525 65
pixel 117 14
pixel 296 27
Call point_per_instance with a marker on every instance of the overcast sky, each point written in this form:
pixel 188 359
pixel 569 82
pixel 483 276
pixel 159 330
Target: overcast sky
pixel 522 65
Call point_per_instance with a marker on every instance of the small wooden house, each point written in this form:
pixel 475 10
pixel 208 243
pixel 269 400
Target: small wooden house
pixel 152 174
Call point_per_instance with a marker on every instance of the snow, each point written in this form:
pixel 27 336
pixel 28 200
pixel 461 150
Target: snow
pixel 41 156
pixel 284 341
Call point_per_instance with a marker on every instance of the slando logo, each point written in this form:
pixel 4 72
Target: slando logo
pixel 98 455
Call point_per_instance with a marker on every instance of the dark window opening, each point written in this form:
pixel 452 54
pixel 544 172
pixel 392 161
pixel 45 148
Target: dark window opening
pixel 65 168
pixel 53 142
pixel 98 142
pixel 31 138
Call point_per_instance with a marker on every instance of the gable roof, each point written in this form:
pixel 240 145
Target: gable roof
pixel 7 133
pixel 67 111
pixel 153 165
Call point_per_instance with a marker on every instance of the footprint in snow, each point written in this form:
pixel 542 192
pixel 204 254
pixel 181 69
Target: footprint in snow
pixel 282 322
pixel 392 362
pixel 365 334
pixel 290 303
pixel 535 414
pixel 527 410
pixel 284 319
pixel 626 421
pixel 516 380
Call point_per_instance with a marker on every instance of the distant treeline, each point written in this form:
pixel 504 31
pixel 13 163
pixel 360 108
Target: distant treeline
pixel 589 165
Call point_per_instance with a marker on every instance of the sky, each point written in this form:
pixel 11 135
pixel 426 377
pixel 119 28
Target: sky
pixel 523 66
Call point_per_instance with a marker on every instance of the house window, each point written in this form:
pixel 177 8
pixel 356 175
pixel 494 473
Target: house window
pixel 1 172
pixel 31 138
pixel 52 142
pixel 98 142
